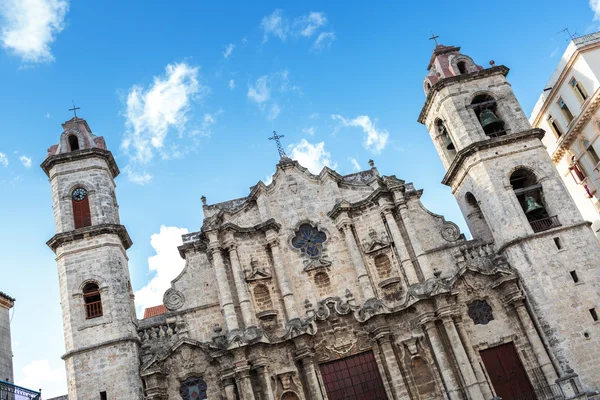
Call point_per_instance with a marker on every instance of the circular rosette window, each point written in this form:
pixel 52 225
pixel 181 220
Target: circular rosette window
pixel 309 240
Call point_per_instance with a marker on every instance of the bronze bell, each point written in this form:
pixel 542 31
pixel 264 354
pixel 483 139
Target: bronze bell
pixel 490 122
pixel 449 144
pixel 532 206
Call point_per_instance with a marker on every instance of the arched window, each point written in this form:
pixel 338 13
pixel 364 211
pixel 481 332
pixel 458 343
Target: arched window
pixel 486 110
pixel 446 140
pixel 289 396
pixel 462 67
pixel 92 301
pixel 530 196
pixel 423 378
pixel 322 282
pixel 383 266
pixel 476 220
pixel 81 208
pixel 262 297
pixel 193 389
pixel 73 142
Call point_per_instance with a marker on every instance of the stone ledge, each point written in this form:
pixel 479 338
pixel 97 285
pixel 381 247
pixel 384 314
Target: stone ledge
pixel 99 345
pixel 76 155
pixel 90 231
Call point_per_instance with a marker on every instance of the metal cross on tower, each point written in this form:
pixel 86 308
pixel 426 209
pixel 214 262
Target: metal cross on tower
pixel 434 38
pixel 74 109
pixel 276 138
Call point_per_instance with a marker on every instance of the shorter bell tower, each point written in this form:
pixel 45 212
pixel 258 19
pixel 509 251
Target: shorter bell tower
pixel 513 198
pixel 99 321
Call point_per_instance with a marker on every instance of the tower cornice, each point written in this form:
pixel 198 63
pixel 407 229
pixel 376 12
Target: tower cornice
pixel 90 231
pixel 442 83
pixel 487 144
pixel 76 155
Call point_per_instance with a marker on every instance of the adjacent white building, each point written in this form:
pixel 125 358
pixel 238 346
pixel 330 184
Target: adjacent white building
pixel 568 111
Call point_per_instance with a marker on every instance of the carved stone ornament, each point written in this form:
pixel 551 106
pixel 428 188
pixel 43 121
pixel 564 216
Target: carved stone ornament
pixel 341 342
pixel 317 263
pixel 173 299
pixel 375 242
pixel 450 232
pixel 287 383
pixel 256 272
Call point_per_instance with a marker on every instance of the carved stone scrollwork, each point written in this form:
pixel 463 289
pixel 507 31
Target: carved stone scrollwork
pixel 375 241
pixel 296 327
pixel 450 232
pixel 371 308
pixel 257 272
pixel 342 341
pixel 336 304
pixel 173 299
pixel 288 386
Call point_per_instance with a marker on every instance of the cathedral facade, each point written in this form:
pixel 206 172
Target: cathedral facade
pixel 345 287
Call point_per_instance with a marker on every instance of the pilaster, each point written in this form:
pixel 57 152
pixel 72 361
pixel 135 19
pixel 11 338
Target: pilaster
pixel 225 299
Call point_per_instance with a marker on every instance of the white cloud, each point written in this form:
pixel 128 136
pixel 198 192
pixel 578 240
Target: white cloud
pixel 136 176
pixel 40 375
pixel 151 113
pixel 310 131
pixel 228 50
pixel 165 265
pixel 311 156
pixel 276 25
pixel 325 39
pixel 595 6
pixel 556 50
pixel 313 116
pixel 268 179
pixel 273 112
pixel 310 23
pixel 207 122
pixel 47 115
pixel 30 26
pixel 26 161
pixel 355 163
pixel 375 140
pixel 3 159
pixel 231 84
pixel 260 92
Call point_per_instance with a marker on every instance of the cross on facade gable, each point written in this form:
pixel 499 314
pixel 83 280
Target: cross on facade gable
pixel 276 138
pixel 74 109
pixel 434 38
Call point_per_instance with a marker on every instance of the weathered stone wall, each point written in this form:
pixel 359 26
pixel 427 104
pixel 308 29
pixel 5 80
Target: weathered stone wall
pixel 6 356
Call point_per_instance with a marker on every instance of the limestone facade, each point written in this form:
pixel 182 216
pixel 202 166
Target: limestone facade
pixel 326 286
pixel 6 355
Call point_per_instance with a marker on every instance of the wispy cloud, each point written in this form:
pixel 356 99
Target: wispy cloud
pixel 355 163
pixel 313 116
pixel 136 176
pixel 375 140
pixel 274 25
pixel 310 131
pixel 207 122
pixel 274 111
pixel 152 113
pixel 311 156
pixel 26 161
pixel 30 26
pixel 260 91
pixel 228 50
pixel 595 6
pixel 231 84
pixel 307 25
pixel 556 50
pixel 324 40
pixel 47 115
pixel 3 159
pixel 165 265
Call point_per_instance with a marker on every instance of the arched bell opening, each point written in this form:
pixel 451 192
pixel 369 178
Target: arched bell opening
pixel 476 220
pixel 531 198
pixel 445 140
pixel 486 110
pixel 462 67
pixel 73 142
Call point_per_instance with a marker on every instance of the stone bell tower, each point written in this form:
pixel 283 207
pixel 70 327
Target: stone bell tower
pixel 512 196
pixel 99 319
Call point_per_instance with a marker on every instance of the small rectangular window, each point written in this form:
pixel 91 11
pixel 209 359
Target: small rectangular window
pixel 565 110
pixel 574 276
pixel 558 243
pixel 578 89
pixel 103 396
pixel 594 314
pixel 554 126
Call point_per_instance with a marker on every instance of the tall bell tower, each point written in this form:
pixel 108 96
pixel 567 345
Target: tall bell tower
pixel 512 196
pixel 99 321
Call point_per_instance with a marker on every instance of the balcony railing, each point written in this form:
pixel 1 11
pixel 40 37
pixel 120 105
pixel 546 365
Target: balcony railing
pixel 8 391
pixel 544 224
pixel 92 310
pixel 552 392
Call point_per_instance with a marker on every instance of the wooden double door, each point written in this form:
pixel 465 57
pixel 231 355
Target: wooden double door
pixel 506 372
pixel 353 378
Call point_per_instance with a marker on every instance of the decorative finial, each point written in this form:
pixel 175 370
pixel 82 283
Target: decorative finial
pixel 203 199
pixel 74 109
pixel 276 138
pixel 492 63
pixel 372 163
pixel 434 38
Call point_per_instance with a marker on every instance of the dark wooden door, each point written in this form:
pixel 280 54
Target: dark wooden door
pixel 508 376
pixel 353 378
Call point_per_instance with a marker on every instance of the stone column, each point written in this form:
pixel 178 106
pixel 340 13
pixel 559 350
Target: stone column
pixel 452 387
pixel 361 271
pixel 405 260
pixel 396 376
pixel 483 383
pixel 464 364
pixel 282 277
pixel 535 341
pixel 225 299
pixel 265 381
pixel 229 388
pixel 240 285
pixel 306 357
pixel 242 377
pixel 414 239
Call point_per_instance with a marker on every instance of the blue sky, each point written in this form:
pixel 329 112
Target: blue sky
pixel 187 95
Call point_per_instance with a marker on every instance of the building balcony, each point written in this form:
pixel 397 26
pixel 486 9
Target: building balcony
pixel 544 224
pixel 93 309
pixel 10 391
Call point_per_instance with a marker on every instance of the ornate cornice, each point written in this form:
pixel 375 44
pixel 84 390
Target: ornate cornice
pixel 76 155
pixel 90 231
pixel 6 301
pixel 442 83
pixel 488 144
